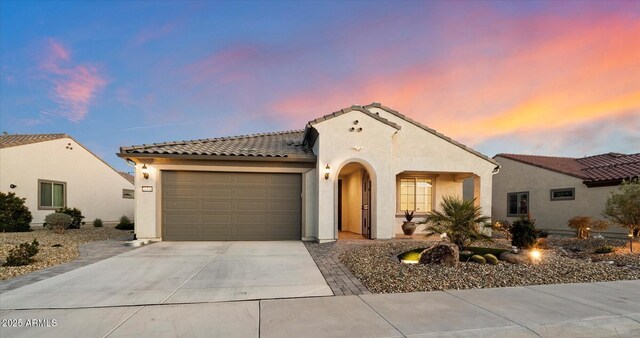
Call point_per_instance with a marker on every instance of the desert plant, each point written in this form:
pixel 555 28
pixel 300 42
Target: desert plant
pixel 14 215
pixel 408 215
pixel 76 217
pixel 523 233
pixel 623 206
pixel 461 220
pixel 603 250
pixel 542 234
pixel 22 254
pixel 584 224
pixel 57 222
pixel 491 259
pixel 478 259
pixel 125 223
pixel 97 223
pixel 503 226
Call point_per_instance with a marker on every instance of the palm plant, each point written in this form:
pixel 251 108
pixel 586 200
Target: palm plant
pixel 461 220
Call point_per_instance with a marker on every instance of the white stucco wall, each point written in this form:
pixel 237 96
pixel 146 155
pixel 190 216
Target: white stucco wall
pixel 386 152
pixel 92 186
pixel 515 176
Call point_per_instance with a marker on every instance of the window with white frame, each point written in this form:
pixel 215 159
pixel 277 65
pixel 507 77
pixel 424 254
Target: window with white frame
pixel 52 194
pixel 415 194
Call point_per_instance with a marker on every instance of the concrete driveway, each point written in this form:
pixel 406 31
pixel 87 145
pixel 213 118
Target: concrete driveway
pixel 180 272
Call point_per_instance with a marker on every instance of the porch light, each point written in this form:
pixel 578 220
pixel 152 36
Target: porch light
pixel 145 171
pixel 327 171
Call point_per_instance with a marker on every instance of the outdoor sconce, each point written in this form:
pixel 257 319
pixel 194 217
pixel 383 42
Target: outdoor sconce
pixel 327 171
pixel 145 171
pixel 13 186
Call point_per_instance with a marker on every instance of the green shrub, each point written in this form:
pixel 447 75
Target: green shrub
pixel 22 254
pixel 603 250
pixel 543 234
pixel 76 217
pixel 125 224
pixel 57 222
pixel 461 220
pixel 97 223
pixel 491 259
pixel 14 215
pixel 523 233
pixel 478 259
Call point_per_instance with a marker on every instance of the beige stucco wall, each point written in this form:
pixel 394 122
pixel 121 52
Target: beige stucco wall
pixel 386 152
pixel 515 176
pixel 92 186
pixel 149 207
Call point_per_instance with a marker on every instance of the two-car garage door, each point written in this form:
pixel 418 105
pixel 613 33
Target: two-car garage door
pixel 230 206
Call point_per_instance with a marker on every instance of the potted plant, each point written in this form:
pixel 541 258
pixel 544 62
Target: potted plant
pixel 408 227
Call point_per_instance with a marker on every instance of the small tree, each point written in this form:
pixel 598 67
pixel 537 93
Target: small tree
pixel 623 206
pixel 14 215
pixel 584 224
pixel 461 220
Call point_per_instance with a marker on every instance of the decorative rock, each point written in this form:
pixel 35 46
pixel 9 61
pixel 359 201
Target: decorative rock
pixel 466 252
pixel 514 258
pixel 443 253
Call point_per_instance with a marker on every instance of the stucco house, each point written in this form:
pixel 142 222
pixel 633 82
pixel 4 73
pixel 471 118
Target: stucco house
pixel 54 170
pixel 353 172
pixel 554 189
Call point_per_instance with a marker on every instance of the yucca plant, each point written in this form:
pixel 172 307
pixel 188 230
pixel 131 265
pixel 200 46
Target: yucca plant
pixel 462 221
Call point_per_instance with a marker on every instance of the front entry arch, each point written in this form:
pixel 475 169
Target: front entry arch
pixel 355 202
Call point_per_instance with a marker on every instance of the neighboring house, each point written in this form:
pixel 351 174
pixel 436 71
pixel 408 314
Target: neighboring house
pixel 554 189
pixel 53 171
pixel 354 170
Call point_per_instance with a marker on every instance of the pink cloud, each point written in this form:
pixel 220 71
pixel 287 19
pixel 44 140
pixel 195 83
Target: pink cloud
pixel 75 86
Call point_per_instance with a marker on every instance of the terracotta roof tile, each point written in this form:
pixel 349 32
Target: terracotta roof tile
pixel 278 144
pixel 603 167
pixel 9 140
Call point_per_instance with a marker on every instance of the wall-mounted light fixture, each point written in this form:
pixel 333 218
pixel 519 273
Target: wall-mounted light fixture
pixel 12 186
pixel 145 171
pixel 327 171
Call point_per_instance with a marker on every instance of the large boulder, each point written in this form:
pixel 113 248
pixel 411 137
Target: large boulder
pixel 444 253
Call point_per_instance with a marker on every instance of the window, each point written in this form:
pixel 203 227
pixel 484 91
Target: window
pixel 127 193
pixel 518 203
pixel 563 194
pixel 415 194
pixel 52 195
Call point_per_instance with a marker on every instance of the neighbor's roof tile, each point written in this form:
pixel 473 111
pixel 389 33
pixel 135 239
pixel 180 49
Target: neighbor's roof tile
pixel 9 140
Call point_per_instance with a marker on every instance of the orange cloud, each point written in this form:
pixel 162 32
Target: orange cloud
pixel 532 74
pixel 74 86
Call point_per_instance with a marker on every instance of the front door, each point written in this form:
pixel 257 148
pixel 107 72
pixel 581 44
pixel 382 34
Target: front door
pixel 366 205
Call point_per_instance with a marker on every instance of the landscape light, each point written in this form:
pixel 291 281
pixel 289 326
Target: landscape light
pixel 536 255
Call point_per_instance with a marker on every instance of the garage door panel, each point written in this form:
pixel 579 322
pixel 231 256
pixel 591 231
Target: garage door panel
pixel 231 206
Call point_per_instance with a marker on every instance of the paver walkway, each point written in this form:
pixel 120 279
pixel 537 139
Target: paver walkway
pixel 89 253
pixel 607 309
pixel 340 279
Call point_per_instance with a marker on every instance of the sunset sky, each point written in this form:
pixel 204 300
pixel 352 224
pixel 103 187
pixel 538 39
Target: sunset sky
pixel 551 78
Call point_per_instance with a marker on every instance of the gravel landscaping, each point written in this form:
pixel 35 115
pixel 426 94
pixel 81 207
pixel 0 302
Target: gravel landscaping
pixel 567 260
pixel 65 249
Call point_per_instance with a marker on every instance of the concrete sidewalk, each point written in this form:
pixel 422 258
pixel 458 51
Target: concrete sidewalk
pixel 609 309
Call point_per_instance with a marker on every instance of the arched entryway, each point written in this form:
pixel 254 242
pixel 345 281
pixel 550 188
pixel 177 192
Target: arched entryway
pixel 354 202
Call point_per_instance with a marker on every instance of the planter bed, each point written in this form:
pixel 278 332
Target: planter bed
pixel 377 267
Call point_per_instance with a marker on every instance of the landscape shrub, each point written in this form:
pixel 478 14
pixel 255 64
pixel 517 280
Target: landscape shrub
pixel 57 222
pixel 543 234
pixel 97 223
pixel 461 220
pixel 22 254
pixel 76 217
pixel 523 233
pixel 478 259
pixel 14 215
pixel 603 250
pixel 491 259
pixel 502 226
pixel 125 223
pixel 582 223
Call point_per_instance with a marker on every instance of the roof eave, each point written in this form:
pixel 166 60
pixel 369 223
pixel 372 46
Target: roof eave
pixel 287 158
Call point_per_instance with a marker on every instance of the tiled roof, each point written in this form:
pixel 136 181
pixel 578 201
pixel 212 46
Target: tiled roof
pixel 127 177
pixel 278 144
pixel 9 140
pixel 350 109
pixel 603 167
